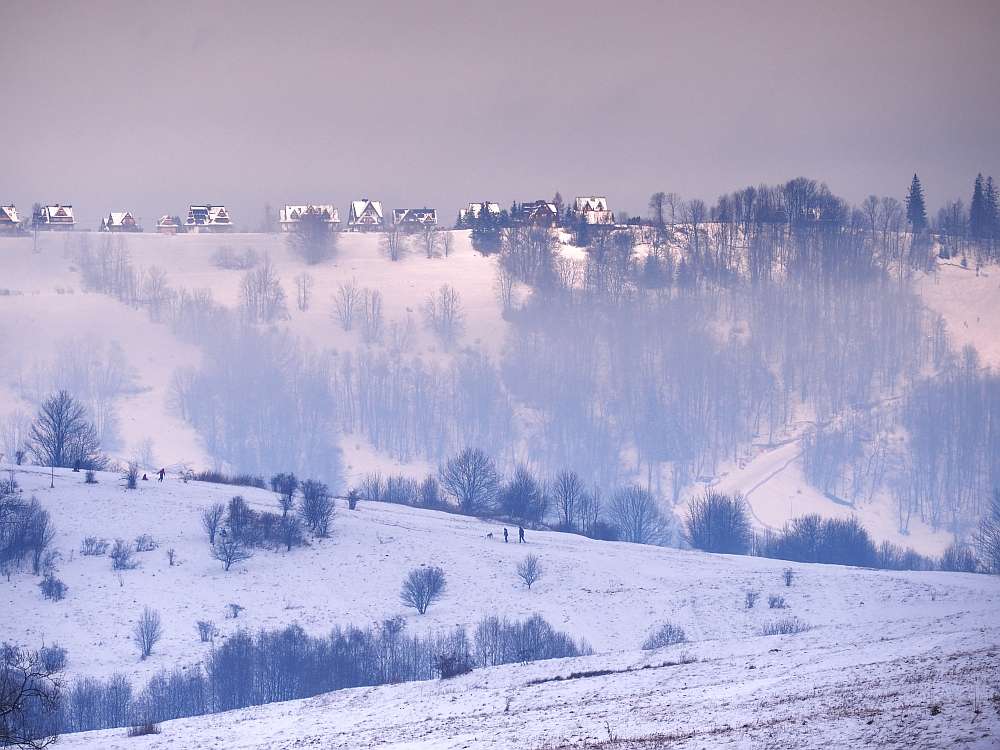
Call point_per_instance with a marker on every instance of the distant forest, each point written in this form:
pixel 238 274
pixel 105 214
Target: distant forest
pixel 671 346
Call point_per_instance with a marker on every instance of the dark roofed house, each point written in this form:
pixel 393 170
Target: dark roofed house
pixel 208 219
pixel 9 221
pixel 166 225
pixel 119 222
pixel 414 219
pixel 539 214
pixel 289 216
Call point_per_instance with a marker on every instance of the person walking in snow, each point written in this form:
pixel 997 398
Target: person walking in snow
pixel 504 534
pixel 520 535
pixel 161 472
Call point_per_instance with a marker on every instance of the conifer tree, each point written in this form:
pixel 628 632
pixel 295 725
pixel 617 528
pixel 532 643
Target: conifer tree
pixel 916 211
pixel 977 209
pixel 991 210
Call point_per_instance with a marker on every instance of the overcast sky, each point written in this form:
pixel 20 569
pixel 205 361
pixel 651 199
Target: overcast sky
pixel 152 107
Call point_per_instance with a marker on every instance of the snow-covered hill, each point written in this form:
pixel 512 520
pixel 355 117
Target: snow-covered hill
pixel 891 658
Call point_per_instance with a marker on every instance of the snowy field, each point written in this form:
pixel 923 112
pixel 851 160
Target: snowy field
pixel 892 659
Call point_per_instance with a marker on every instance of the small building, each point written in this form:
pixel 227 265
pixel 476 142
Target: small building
pixel 475 210
pixel 594 210
pixel 414 219
pixel 539 214
pixel 208 219
pixel 57 218
pixel 9 221
pixel 166 225
pixel 119 222
pixel 289 216
pixel 366 216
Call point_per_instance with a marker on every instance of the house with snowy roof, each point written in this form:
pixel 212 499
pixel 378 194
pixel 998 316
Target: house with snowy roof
pixel 539 214
pixel 594 210
pixel 414 219
pixel 166 225
pixel 289 216
pixel 365 216
pixel 119 222
pixel 54 218
pixel 208 219
pixel 475 210
pixel 9 221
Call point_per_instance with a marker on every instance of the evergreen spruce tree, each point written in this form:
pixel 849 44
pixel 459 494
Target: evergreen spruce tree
pixel 916 211
pixel 991 209
pixel 977 209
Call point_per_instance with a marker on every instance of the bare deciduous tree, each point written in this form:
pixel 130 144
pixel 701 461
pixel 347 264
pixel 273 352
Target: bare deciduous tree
pixel 471 478
pixel 371 315
pixel 346 303
pixel 261 296
pixel 444 316
pixel 428 241
pixel 61 436
pixel 636 516
pixel 422 587
pixel 316 506
pixel 568 493
pixel 447 242
pixel 530 570
pixel 30 693
pixel 303 290
pixel 313 238
pixel 393 242
pixel 147 632
pixel 230 549
pixel 211 517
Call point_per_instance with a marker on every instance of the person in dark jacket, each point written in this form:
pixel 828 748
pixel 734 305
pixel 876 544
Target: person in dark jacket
pixel 520 534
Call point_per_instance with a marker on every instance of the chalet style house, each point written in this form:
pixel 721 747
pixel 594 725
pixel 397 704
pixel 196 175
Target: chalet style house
pixel 475 210
pixel 289 216
pixel 54 218
pixel 9 223
pixel 594 210
pixel 166 225
pixel 366 216
pixel 119 222
pixel 208 219
pixel 414 219
pixel 539 214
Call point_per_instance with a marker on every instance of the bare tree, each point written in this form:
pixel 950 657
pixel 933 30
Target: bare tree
pixel 393 242
pixel 444 316
pixel 285 487
pixel 673 200
pixel 314 238
pixel 230 549
pixel 316 506
pixel 14 436
pixel 30 695
pixel 636 516
pixel 303 290
pixel 696 213
pixel 346 302
pixel 261 295
pixel 568 493
pixel 471 478
pixel 122 556
pixel 422 587
pixel 530 570
pixel 719 523
pixel 147 632
pixel 428 241
pixel 657 203
pixel 371 315
pixel 211 517
pixel 447 242
pixel 61 436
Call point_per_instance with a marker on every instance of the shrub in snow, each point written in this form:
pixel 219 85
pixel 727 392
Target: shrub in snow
pixel 788 574
pixel 400 490
pixel 285 486
pixel 145 543
pixel 52 588
pixel 90 477
pixel 787 626
pixel 352 499
pixel 94 546
pixel 719 523
pixel 752 597
pixel 122 556
pixel 316 506
pixel 206 630
pixel 776 602
pixel 211 518
pixel 147 632
pixel 235 609
pixel 171 556
pixel 131 475
pixel 422 587
pixel 451 665
pixel 530 570
pixel 667 635
pixel 230 549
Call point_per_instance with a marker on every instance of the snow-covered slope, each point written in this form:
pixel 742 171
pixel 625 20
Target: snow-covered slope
pixel 884 646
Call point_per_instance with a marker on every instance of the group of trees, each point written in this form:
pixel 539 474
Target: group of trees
pixel 26 531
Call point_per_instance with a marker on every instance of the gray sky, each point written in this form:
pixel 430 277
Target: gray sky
pixel 151 107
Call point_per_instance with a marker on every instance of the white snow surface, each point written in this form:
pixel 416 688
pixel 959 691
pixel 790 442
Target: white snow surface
pixel 892 659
